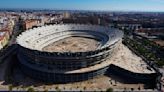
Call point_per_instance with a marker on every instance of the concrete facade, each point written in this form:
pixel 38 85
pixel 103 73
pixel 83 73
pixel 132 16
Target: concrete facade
pixel 63 67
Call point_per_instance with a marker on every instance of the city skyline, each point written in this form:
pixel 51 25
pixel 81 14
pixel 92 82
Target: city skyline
pixel 105 5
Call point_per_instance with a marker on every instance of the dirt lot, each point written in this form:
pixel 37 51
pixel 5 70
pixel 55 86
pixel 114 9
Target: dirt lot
pixel 72 44
pixel 160 42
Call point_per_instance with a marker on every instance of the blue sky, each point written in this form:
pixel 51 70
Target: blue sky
pixel 112 5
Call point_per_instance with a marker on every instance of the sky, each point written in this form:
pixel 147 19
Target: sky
pixel 104 5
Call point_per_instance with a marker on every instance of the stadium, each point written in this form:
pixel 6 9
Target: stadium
pixel 68 52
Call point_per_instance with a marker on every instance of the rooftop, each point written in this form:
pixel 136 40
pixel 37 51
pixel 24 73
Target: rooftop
pixel 124 58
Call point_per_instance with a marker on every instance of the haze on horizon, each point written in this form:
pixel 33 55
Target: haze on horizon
pixel 105 5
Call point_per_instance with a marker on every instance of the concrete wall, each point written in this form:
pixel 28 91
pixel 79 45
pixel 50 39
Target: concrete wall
pixel 132 77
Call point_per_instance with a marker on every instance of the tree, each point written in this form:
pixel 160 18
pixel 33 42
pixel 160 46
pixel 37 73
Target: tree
pixel 30 90
pixel 57 89
pixel 132 89
pixel 10 87
pixel 109 90
pixel 84 88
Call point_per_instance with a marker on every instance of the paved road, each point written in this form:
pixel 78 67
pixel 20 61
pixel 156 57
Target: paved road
pixel 13 37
